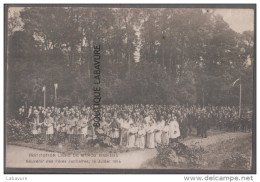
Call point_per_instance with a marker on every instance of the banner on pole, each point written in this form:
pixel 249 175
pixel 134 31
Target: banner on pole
pixel 43 89
pixel 233 84
pixel 56 85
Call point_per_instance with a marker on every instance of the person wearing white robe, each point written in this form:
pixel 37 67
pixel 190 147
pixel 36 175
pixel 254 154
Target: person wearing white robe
pixel 131 136
pixel 120 120
pixel 82 127
pixel 104 126
pixel 71 127
pixel 158 133
pixel 115 129
pixel 174 130
pixel 124 133
pixel 61 127
pixel 140 140
pixel 150 143
pixel 78 128
pixel 29 112
pixel 147 119
pixel 130 120
pixel 35 124
pixel 49 123
pixel 91 130
pixel 165 135
pixel 162 122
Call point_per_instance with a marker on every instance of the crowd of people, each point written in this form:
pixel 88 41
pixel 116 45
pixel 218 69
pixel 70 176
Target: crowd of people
pixel 141 126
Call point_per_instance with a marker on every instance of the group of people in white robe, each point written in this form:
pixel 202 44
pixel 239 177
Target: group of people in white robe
pixel 146 134
pixel 142 126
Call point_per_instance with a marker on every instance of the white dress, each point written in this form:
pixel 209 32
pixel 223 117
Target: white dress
pixel 70 126
pixel 84 129
pixel 174 130
pixel 124 133
pixel 36 129
pixel 131 137
pixel 158 134
pixel 140 141
pixel 49 123
pixel 165 135
pixel 150 143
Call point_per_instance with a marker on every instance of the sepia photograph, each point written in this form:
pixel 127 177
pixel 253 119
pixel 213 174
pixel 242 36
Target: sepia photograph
pixel 130 88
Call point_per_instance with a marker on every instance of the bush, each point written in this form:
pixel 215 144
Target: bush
pixel 75 142
pixel 178 154
pixel 236 161
pixel 16 131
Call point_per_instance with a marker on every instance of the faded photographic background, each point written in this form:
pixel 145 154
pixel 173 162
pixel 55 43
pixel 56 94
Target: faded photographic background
pixel 194 66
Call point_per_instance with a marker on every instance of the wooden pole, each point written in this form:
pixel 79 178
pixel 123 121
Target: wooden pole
pixel 44 99
pixel 240 98
pixel 203 98
pixel 55 94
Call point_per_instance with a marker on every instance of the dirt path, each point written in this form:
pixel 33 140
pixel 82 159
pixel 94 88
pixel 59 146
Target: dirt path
pixel 18 156
pixel 215 138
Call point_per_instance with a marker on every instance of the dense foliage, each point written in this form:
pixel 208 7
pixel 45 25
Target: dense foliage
pixel 178 154
pixel 236 161
pixel 177 56
pixel 16 131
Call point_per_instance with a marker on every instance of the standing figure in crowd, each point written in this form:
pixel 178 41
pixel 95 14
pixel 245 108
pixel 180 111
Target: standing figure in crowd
pixel 90 130
pixel 150 129
pixel 30 112
pixel 202 126
pixel 36 125
pixel 131 136
pixel 243 123
pixel 61 127
pixel 114 128
pixel 49 123
pixel 140 140
pixel 198 124
pixel 71 127
pixel 77 128
pixel 190 119
pixel 183 126
pixel 82 125
pixel 165 134
pixel 174 130
pixel 158 133
pixel 20 116
pixel 125 126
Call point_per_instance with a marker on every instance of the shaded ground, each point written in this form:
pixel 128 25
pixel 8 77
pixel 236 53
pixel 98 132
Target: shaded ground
pixel 222 151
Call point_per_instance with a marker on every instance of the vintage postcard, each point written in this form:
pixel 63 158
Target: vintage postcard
pixel 130 88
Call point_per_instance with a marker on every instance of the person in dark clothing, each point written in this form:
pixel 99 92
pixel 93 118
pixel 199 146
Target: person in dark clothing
pixel 115 127
pixel 243 123
pixel 202 126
